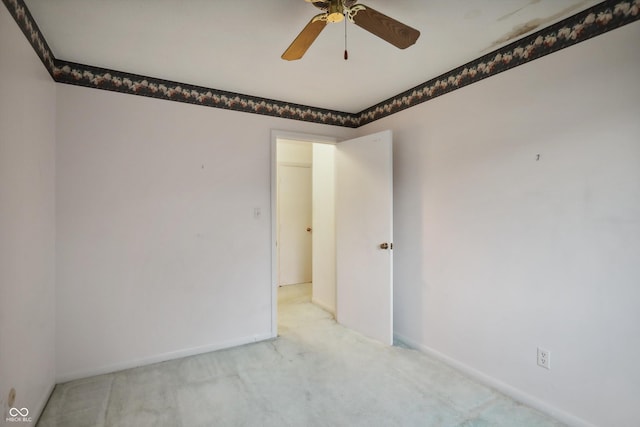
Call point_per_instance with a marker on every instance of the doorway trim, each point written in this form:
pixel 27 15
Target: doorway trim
pixel 295 136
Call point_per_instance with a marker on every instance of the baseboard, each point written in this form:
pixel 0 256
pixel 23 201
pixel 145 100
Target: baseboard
pixel 323 306
pixel 37 412
pixel 76 375
pixel 504 388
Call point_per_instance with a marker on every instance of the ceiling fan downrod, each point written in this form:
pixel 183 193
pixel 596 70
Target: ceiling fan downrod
pixel 346 54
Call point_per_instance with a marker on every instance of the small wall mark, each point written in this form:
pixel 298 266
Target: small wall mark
pixel 12 397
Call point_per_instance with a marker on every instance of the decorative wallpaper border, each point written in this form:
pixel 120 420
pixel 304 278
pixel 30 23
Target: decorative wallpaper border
pixel 27 24
pixel 117 81
pixel 599 19
pixel 589 23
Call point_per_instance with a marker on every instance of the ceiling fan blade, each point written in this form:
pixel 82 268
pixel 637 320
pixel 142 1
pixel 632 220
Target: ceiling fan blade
pixel 304 40
pixel 398 34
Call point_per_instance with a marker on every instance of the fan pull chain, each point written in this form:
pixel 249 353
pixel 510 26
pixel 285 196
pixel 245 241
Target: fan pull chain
pixel 346 54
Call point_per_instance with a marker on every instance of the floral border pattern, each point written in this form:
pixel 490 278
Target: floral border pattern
pixel 27 24
pixel 592 22
pixel 100 78
pixel 118 81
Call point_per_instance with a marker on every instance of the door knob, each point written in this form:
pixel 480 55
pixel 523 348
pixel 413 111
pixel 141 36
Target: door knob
pixel 385 245
pixel 309 229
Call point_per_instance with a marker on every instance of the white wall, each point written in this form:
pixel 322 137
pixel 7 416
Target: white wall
pixel 159 253
pixel 27 223
pixel 324 227
pixel 497 253
pixel 300 153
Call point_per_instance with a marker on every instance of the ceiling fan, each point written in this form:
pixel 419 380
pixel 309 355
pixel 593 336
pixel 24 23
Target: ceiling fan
pixel 398 34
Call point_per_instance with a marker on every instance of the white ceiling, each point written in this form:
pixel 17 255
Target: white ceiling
pixel 235 45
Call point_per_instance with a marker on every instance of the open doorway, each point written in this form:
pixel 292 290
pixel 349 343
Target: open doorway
pixel 360 251
pixel 303 212
pixel 294 161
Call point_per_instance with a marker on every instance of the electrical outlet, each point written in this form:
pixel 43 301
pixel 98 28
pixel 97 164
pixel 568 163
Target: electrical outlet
pixel 544 358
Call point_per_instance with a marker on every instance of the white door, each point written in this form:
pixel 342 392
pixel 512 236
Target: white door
pixel 294 225
pixel 364 225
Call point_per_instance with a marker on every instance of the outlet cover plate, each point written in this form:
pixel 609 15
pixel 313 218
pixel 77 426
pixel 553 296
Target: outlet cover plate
pixel 544 358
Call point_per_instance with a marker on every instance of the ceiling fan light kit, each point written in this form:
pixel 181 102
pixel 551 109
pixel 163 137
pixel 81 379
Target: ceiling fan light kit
pixel 335 13
pixel 398 34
